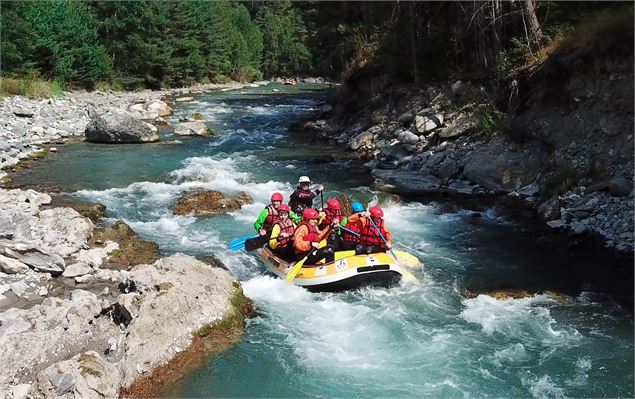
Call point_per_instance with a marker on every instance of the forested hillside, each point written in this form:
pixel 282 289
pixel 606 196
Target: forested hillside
pixel 134 44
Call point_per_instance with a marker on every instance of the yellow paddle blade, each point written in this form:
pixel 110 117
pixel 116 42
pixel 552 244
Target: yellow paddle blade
pixel 322 243
pixel 407 259
pixel 344 254
pixel 295 270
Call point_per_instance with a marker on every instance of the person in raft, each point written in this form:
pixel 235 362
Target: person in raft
pixel 281 239
pixel 302 197
pixel 350 241
pixel 269 215
pixel 332 217
pixel 369 240
pixel 307 237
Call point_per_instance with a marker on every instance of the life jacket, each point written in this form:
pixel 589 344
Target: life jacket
pixel 304 200
pixel 285 227
pixel 272 217
pixel 313 235
pixel 369 236
pixel 331 215
pixel 348 236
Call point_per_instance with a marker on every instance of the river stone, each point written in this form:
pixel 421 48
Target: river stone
pixel 550 209
pixel 184 99
pixel 36 258
pixel 21 391
pixel 406 182
pixel 132 250
pixel 620 187
pixel 64 230
pixel 210 203
pixel 76 269
pixel 192 129
pixel 119 127
pixel 405 118
pixel 362 140
pixel 407 137
pixel 462 124
pixel 12 266
pixel 427 122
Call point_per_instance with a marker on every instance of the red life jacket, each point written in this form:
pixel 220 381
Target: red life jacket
pixel 272 217
pixel 313 235
pixel 330 217
pixel 285 227
pixel 370 237
pixel 348 236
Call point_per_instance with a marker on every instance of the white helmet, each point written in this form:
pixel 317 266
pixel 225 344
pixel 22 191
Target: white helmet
pixel 304 179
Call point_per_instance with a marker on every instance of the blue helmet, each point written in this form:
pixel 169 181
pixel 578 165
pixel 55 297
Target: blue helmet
pixel 357 207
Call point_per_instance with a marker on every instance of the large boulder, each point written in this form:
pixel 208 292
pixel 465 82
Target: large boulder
pixel 503 166
pixel 210 203
pixel 64 230
pixel 132 251
pixel 462 124
pixel 426 121
pixel 362 140
pixel 115 127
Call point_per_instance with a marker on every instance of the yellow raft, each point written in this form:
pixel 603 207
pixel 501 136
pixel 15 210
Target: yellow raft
pixel 347 272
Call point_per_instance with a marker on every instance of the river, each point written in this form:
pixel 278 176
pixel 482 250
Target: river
pixel 425 339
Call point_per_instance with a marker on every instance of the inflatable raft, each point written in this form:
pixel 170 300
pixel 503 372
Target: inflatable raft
pixel 347 272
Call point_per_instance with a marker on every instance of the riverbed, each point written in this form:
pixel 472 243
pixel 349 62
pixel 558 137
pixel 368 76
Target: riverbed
pixel 437 337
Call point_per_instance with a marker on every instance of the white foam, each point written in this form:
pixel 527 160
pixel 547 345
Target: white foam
pixel 542 387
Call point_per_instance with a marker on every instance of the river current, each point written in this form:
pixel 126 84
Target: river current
pixel 423 339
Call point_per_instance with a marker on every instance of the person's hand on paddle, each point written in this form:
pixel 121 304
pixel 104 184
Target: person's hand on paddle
pixel 315 245
pixel 285 235
pixel 365 214
pixel 320 188
pixel 322 214
pixel 262 232
pixel 388 245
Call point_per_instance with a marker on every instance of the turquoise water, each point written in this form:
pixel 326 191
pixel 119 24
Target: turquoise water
pixel 424 339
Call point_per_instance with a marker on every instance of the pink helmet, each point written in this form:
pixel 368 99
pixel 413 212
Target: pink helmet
pixel 376 211
pixel 277 197
pixel 310 213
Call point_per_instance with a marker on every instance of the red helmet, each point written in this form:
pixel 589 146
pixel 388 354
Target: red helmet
pixel 333 203
pixel 310 213
pixel 277 197
pixel 284 208
pixel 376 211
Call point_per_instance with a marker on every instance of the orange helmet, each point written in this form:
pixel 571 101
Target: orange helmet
pixel 333 203
pixel 277 197
pixel 376 211
pixel 310 213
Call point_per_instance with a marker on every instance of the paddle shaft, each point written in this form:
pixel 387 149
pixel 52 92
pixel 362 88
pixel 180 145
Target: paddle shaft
pixel 350 231
pixel 382 236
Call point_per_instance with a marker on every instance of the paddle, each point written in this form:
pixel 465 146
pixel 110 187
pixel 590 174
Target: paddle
pixel 382 236
pixel 350 231
pixel 239 243
pixel 255 243
pixel 296 269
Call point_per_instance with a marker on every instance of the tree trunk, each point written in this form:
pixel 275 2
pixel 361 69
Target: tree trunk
pixel 413 41
pixel 529 15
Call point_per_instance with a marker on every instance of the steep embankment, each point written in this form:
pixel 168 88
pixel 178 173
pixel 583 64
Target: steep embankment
pixel 557 139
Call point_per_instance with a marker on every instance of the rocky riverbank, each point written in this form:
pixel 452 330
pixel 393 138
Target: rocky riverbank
pixel 85 311
pixel 559 144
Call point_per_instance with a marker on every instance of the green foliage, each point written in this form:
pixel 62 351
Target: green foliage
pixel 31 86
pixel 490 119
pixel 65 42
pixel 283 33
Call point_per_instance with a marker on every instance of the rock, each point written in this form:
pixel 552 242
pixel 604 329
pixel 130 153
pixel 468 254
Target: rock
pixel 192 129
pixel 393 152
pixel 502 166
pixel 86 375
pixel 77 269
pixel 209 203
pixel 24 114
pixel 12 266
pixel 460 188
pixel 463 124
pixel 21 391
pixel 36 258
pixel 407 137
pixel 362 140
pixel 197 116
pixel 578 228
pixel 557 224
pixel 550 209
pixel 325 109
pixel 91 210
pixel 405 118
pixel 406 182
pixel 529 191
pixel 119 127
pixel 620 187
pixel 445 169
pixel 184 99
pixel 132 251
pixel 157 108
pixel 64 230
pixel 427 122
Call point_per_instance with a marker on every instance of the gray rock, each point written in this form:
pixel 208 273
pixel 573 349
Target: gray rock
pixel 578 228
pixel 427 122
pixel 405 118
pixel 61 382
pixel 21 391
pixel 191 129
pixel 362 140
pixel 12 266
pixel 446 169
pixel 407 137
pixel 529 191
pixel 462 124
pixel 119 127
pixel 557 224
pixel 620 187
pixel 77 269
pixel 550 209
pixel 406 182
